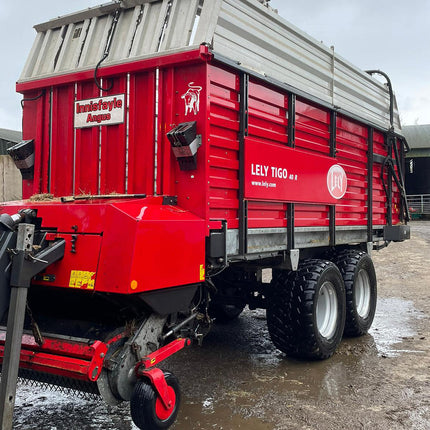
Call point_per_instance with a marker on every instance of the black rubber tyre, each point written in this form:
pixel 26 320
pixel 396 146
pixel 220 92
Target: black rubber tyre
pixel 144 405
pixel 224 313
pixel 359 278
pixel 306 310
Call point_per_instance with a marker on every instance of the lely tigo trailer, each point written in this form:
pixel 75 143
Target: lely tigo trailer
pixel 171 151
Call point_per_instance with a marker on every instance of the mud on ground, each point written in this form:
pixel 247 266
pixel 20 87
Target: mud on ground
pixel 238 380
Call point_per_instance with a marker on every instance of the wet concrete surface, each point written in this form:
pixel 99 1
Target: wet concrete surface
pixel 239 380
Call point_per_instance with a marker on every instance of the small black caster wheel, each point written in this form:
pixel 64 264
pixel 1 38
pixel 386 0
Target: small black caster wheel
pixel 148 411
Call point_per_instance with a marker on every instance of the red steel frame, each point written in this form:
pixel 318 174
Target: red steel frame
pixel 78 360
pixel 73 360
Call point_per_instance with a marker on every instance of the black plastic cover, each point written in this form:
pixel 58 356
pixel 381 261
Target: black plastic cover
pixel 397 233
pixel 23 156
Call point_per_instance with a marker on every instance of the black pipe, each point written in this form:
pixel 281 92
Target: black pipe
pixel 390 90
pixel 30 99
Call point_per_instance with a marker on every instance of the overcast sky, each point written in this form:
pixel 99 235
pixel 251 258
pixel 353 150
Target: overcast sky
pixel 393 36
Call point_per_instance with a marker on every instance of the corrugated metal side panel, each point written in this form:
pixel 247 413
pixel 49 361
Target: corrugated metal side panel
pixel 79 40
pixel 311 215
pixel 181 20
pixel 95 41
pixel 147 29
pixel 74 38
pixel 379 198
pixel 95 159
pixel 181 86
pixel 267 121
pixel 166 119
pixel 261 40
pixel 355 91
pixel 141 149
pixel 312 127
pixel 208 20
pixel 268 111
pixel 312 134
pixel 248 34
pixel 351 154
pixel 29 67
pixel 48 49
pixel 35 125
pixel 62 155
pixel 266 214
pixel 87 147
pixel 113 147
pixel 243 30
pixel 224 146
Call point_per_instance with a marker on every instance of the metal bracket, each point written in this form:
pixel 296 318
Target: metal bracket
pixel 7 241
pixel 122 376
pixel 158 381
pixel 161 354
pixel 291 260
pixel 170 200
pixel 22 271
pixel 190 150
pixel 294 258
pixel 25 265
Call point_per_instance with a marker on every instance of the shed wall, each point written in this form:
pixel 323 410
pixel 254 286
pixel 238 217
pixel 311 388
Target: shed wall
pixel 10 180
pixel 418 176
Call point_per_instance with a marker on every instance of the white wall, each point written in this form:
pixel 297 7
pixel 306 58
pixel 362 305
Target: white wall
pixel 10 180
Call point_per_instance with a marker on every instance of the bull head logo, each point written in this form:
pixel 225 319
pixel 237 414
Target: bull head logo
pixel 192 98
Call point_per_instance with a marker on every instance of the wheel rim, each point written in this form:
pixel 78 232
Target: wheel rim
pixel 162 413
pixel 362 294
pixel 327 310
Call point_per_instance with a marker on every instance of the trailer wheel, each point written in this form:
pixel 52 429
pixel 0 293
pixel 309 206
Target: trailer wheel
pixel 147 410
pixel 359 277
pixel 306 310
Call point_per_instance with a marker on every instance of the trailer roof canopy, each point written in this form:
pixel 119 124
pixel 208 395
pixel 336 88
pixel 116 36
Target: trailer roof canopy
pixel 248 32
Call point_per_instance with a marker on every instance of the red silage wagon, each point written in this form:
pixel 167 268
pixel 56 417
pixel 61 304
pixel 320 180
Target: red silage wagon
pixel 171 152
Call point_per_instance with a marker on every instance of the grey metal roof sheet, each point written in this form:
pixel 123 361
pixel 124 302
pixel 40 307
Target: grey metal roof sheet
pixel 8 138
pixel 418 136
pixel 10 135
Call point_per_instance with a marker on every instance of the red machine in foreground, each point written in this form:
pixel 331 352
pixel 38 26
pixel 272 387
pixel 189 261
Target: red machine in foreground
pixel 169 156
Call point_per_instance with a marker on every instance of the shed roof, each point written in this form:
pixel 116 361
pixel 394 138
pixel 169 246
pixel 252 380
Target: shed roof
pixel 418 136
pixel 8 138
pixel 10 135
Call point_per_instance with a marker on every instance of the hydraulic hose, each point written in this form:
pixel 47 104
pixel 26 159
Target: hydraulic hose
pixel 390 90
pixel 106 52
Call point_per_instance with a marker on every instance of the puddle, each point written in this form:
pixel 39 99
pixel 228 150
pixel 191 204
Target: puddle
pixel 193 415
pixel 238 376
pixel 393 323
pixel 36 409
pixel 245 366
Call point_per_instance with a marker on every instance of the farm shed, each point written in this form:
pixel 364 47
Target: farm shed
pixel 418 168
pixel 10 178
